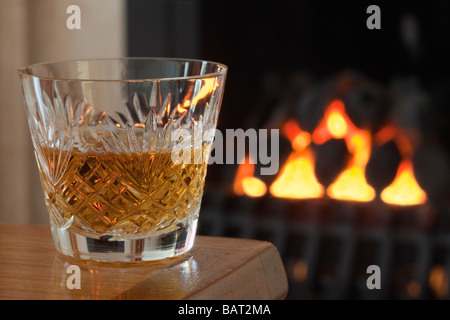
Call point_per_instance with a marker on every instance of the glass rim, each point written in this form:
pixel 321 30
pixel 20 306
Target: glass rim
pixel 23 73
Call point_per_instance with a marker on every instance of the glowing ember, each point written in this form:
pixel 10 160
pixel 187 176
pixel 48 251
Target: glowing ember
pixel 438 281
pixel 296 179
pixel 404 190
pixel 253 187
pixel 300 270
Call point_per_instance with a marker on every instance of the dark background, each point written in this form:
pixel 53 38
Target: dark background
pixel 259 38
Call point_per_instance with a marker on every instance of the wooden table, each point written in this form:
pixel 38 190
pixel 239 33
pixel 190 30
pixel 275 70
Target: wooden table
pixel 216 268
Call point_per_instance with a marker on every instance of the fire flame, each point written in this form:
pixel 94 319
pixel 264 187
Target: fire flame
pixel 404 190
pixel 350 184
pixel 297 179
pixel 300 139
pixel 335 124
pixel 245 183
pixel 254 187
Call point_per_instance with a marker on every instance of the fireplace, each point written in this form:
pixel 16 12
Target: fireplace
pixel 354 189
pixel 364 141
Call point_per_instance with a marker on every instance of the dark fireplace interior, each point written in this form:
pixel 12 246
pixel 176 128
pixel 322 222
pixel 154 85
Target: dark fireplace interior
pixel 363 117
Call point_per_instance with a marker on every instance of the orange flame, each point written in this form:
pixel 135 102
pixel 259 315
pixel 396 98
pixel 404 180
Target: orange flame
pixel 404 190
pixel 300 139
pixel 245 183
pixel 350 184
pixel 254 187
pixel 296 179
pixel 244 170
pixel 335 124
pixel 386 134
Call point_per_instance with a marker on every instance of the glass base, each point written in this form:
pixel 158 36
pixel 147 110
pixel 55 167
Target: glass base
pixel 127 250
